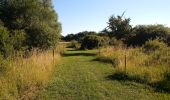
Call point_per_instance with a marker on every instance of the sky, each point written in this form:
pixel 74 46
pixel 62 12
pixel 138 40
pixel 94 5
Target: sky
pixel 92 15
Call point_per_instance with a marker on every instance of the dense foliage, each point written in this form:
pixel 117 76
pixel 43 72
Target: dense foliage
pixel 119 28
pixel 120 32
pixel 143 33
pixel 27 24
pixel 79 36
pixel 92 41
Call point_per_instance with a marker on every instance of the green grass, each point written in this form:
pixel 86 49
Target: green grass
pixel 80 77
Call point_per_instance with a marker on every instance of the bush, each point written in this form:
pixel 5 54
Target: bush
pixel 75 44
pixel 92 42
pixel 153 45
pixel 144 33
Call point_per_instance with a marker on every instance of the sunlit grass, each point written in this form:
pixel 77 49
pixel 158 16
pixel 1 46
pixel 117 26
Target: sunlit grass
pixel 26 76
pixel 139 65
pixel 80 77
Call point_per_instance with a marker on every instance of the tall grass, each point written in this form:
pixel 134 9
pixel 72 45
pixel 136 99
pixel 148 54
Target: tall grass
pixel 140 66
pixel 24 77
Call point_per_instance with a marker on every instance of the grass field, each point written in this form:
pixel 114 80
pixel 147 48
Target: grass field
pixel 80 77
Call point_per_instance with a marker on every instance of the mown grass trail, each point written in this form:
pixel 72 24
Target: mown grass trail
pixel 80 77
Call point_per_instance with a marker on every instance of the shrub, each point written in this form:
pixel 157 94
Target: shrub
pixel 92 42
pixel 153 45
pixel 75 44
pixel 144 33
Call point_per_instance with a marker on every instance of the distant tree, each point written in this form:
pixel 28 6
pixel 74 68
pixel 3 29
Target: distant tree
pixel 69 37
pixel 119 27
pixel 79 36
pixel 143 33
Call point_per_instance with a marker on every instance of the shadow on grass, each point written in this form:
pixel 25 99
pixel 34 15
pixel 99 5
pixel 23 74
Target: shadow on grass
pixel 74 50
pixel 114 62
pixel 162 86
pixel 122 76
pixel 78 54
pixel 103 60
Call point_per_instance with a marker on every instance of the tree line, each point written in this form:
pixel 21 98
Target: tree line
pixel 120 31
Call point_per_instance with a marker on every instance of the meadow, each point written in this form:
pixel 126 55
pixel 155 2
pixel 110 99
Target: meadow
pixel 119 62
pixel 79 76
pixel 135 64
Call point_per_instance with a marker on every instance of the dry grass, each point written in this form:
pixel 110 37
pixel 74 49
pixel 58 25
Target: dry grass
pixel 27 75
pixel 139 66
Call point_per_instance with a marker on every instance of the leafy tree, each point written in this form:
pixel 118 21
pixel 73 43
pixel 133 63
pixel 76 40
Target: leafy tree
pixel 69 37
pixel 41 36
pixel 18 38
pixel 34 17
pixel 143 33
pixel 79 36
pixel 119 27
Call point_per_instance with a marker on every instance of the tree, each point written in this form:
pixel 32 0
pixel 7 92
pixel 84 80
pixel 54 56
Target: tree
pixel 79 36
pixel 119 27
pixel 143 33
pixel 35 17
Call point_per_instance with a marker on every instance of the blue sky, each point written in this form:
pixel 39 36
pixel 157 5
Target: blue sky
pixel 92 15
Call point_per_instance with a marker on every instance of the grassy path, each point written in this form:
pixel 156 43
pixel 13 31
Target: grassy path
pixel 80 77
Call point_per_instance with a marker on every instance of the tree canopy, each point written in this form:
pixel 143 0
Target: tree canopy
pixel 34 23
pixel 119 27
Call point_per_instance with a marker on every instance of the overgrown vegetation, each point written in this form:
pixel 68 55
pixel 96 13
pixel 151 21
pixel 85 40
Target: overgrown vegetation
pixel 139 53
pixel 29 24
pixel 80 77
pixel 120 32
pixel 149 64
pixel 28 31
pixel 22 78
